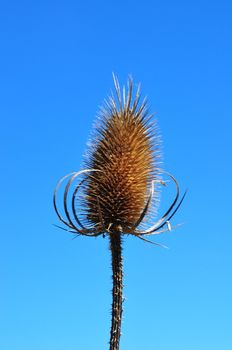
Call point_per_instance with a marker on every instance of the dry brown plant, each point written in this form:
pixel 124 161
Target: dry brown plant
pixel 119 185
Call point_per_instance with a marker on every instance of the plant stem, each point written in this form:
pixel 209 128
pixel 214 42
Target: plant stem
pixel 117 269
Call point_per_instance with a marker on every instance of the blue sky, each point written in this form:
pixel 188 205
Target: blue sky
pixel 56 64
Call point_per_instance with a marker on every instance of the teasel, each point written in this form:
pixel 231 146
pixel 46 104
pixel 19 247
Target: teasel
pixel 118 187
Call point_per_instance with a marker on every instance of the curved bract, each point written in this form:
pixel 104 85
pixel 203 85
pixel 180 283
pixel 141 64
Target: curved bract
pixel 91 232
pixel 100 228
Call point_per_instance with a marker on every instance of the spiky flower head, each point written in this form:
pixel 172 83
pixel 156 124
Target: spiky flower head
pixel 125 151
pixel 122 174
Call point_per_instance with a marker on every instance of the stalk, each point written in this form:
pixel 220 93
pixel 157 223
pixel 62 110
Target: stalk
pixel 117 298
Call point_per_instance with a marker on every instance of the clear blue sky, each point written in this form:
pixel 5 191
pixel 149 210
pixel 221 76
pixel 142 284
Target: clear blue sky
pixel 56 60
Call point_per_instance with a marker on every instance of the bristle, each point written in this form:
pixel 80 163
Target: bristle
pixel 126 154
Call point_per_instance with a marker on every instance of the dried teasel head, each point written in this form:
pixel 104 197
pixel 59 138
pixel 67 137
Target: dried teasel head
pixel 122 172
pixel 125 153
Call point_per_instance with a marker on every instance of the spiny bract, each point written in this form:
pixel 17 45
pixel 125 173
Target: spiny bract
pixel 125 151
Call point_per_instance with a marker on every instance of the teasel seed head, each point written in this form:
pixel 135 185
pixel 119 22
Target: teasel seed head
pixel 121 176
pixel 125 152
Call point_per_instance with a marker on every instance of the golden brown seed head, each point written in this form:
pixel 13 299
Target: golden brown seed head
pixel 125 151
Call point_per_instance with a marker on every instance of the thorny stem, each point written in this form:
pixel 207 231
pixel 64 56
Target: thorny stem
pixel 117 269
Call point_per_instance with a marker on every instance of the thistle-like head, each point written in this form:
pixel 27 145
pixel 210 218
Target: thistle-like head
pixel 122 171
